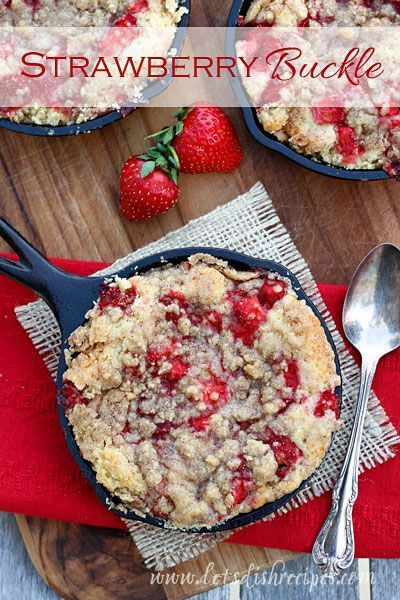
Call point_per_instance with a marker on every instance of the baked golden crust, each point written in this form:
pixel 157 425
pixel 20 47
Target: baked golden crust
pixel 198 392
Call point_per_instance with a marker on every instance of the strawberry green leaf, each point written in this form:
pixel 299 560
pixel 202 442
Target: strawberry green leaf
pixel 179 128
pixel 161 161
pixel 174 155
pixel 147 168
pixel 168 136
pixel 156 134
pixel 174 175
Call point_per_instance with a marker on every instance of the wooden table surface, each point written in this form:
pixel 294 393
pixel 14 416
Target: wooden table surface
pixel 62 194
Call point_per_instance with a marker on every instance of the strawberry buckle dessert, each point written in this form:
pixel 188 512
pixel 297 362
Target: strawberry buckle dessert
pixel 352 138
pixel 198 392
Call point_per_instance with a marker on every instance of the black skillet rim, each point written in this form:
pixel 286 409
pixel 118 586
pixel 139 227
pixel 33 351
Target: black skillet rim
pixel 174 256
pixel 238 8
pixel 151 91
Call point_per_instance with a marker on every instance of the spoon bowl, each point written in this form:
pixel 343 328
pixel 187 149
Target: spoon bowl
pixel 371 312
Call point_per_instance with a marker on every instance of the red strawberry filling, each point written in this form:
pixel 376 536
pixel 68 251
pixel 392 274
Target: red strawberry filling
pixel 241 487
pixel 215 393
pixel 130 374
pixel 334 114
pixel 200 423
pixel 140 6
pixel 318 18
pixel 126 429
pixel 70 396
pixel 185 309
pixel 162 431
pixel 248 316
pixel 349 147
pixel 271 291
pixel 178 370
pixel 33 4
pixel 286 452
pixel 214 319
pixel 392 168
pixel 157 357
pixel 328 400
pixel 242 483
pixel 157 354
pixel 291 374
pixel 114 296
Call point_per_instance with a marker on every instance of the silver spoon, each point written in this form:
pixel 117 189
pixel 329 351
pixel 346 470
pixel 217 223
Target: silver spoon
pixel 371 322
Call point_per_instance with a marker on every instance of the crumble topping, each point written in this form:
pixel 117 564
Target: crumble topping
pixel 354 138
pixel 198 392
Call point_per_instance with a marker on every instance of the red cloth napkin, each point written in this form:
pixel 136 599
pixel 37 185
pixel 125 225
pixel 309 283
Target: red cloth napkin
pixel 39 477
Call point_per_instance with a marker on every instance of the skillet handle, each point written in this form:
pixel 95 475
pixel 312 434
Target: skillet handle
pixel 69 296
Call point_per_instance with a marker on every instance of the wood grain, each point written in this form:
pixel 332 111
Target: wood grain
pixel 90 563
pixel 62 194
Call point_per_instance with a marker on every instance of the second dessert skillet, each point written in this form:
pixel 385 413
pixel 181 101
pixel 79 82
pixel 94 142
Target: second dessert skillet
pixel 71 296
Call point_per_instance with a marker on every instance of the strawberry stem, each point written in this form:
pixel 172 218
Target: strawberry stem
pixel 163 155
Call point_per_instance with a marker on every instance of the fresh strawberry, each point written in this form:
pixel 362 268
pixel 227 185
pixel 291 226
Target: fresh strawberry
pixel 203 138
pixel 206 141
pixel 148 185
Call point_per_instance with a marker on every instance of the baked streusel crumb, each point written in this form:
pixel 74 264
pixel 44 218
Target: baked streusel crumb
pixel 198 392
pixel 353 138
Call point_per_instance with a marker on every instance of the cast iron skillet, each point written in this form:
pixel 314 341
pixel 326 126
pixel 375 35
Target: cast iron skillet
pixel 71 296
pixel 240 7
pixel 151 91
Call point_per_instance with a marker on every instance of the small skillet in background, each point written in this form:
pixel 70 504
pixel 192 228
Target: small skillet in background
pixel 240 8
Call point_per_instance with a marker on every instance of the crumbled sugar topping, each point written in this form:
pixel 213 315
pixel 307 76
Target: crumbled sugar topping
pixel 198 392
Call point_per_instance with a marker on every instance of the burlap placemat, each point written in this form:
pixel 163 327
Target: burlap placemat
pixel 248 224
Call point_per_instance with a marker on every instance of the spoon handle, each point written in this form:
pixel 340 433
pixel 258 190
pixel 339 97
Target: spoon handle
pixel 333 549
